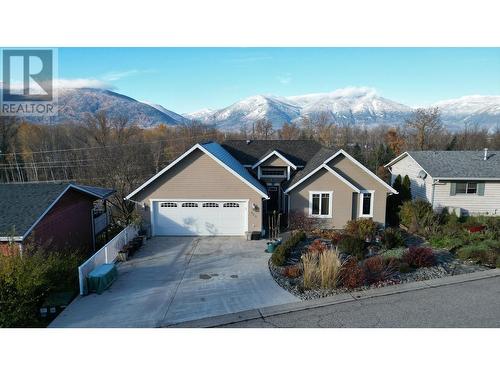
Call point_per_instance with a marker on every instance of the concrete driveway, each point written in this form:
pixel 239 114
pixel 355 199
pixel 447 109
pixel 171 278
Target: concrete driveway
pixel 175 279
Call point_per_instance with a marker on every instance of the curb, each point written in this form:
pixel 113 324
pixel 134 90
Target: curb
pixel 265 312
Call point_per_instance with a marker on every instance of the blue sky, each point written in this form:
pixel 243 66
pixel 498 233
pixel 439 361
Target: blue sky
pixel 188 79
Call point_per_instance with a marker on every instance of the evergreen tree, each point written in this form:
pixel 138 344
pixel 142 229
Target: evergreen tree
pixel 405 189
pixel 394 202
pixel 357 154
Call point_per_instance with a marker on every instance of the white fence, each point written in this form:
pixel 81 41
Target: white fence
pixel 107 254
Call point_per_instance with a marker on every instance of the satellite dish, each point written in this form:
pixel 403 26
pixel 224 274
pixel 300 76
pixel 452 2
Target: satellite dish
pixel 422 174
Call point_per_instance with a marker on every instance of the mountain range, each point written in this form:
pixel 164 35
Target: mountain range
pixel 358 106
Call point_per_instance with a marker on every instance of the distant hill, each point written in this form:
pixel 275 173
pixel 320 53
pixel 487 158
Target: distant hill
pixel 74 104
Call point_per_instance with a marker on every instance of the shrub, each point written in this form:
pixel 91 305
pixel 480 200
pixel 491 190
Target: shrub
pixel 25 282
pixel 297 220
pixel 329 268
pixel 354 246
pixel 404 267
pixel 352 275
pixel 292 271
pixel 321 269
pixel 310 266
pixel 283 251
pixel 330 234
pixel 447 242
pixel 486 252
pixel 419 217
pixel 394 253
pixel 361 228
pixel 417 257
pixel 391 238
pixel 376 269
pixel 317 247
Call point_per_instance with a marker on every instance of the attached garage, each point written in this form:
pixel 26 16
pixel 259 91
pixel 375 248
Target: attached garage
pixel 200 217
pixel 204 192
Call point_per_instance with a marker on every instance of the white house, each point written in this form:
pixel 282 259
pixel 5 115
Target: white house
pixel 467 181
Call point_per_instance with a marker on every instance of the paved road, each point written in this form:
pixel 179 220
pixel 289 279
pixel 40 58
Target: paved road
pixel 469 304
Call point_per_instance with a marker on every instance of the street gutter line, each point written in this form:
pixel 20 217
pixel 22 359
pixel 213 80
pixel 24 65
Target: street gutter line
pixel 265 312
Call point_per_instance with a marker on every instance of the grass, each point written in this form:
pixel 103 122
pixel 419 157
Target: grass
pixel 394 253
pixel 321 270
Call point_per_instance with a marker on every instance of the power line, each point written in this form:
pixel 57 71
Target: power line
pixel 102 147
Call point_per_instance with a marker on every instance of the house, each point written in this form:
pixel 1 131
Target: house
pixel 230 188
pixel 467 182
pixel 56 215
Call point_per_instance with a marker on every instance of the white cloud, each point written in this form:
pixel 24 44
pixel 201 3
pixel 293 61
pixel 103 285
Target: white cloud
pixel 83 83
pixel 115 76
pixel 355 91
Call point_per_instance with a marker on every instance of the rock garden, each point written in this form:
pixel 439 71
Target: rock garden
pixel 313 263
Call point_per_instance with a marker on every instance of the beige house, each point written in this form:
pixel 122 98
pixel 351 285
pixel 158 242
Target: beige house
pixel 230 189
pixel 465 182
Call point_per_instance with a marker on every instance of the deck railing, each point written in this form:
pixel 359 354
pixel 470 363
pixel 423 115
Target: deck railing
pixel 107 254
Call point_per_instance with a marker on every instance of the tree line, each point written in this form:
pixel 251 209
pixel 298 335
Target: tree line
pixel 112 152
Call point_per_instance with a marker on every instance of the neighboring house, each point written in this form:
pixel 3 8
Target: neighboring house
pixel 230 189
pixel 56 215
pixel 467 181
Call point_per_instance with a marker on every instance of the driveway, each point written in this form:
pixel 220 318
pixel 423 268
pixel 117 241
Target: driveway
pixel 175 279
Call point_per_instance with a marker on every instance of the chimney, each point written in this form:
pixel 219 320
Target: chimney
pixel 485 154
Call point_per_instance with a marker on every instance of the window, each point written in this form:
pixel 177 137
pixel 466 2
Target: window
pixel 320 203
pixel 210 204
pixel 168 204
pixel 466 188
pixel 190 204
pixel 273 172
pixel 231 205
pixel 366 203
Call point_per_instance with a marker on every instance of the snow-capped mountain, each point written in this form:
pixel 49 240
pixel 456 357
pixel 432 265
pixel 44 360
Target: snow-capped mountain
pixel 178 118
pixel 474 109
pixel 355 105
pixel 358 106
pixel 75 103
pixel 249 110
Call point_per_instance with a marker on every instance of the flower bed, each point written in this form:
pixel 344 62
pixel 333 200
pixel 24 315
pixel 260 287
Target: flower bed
pixel 323 264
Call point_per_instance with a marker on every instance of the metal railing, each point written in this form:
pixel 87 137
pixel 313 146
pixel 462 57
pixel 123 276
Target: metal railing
pixel 107 254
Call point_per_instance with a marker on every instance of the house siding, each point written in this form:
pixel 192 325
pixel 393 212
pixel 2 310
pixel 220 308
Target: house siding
pixel 198 176
pixel 363 181
pixel 471 204
pixel 68 224
pixel 420 188
pixel 323 180
pixel 7 248
pixel 274 161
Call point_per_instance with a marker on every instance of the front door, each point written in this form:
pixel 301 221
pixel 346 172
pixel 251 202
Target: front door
pixel 274 198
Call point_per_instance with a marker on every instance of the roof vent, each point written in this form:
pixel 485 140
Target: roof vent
pixel 248 141
pixel 485 154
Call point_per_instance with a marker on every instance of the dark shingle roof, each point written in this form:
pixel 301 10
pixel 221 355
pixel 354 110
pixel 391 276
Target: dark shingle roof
pixel 318 159
pixel 299 152
pixel 21 204
pixel 459 164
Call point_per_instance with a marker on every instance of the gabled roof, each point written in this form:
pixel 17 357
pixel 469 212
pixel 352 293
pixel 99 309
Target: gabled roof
pixel 299 152
pixel 221 156
pixel 276 153
pixel 23 205
pixel 456 164
pixel 320 161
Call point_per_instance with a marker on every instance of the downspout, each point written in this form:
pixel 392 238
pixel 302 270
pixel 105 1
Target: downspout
pixel 434 182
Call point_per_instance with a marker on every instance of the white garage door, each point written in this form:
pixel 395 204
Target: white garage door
pixel 200 218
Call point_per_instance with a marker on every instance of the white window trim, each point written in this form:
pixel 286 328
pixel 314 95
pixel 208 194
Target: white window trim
pixel 330 204
pixel 361 194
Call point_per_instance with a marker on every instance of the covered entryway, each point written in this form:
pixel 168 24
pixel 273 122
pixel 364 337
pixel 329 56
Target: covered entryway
pixel 200 217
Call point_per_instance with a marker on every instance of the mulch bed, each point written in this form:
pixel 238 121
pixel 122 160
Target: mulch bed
pixel 446 265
